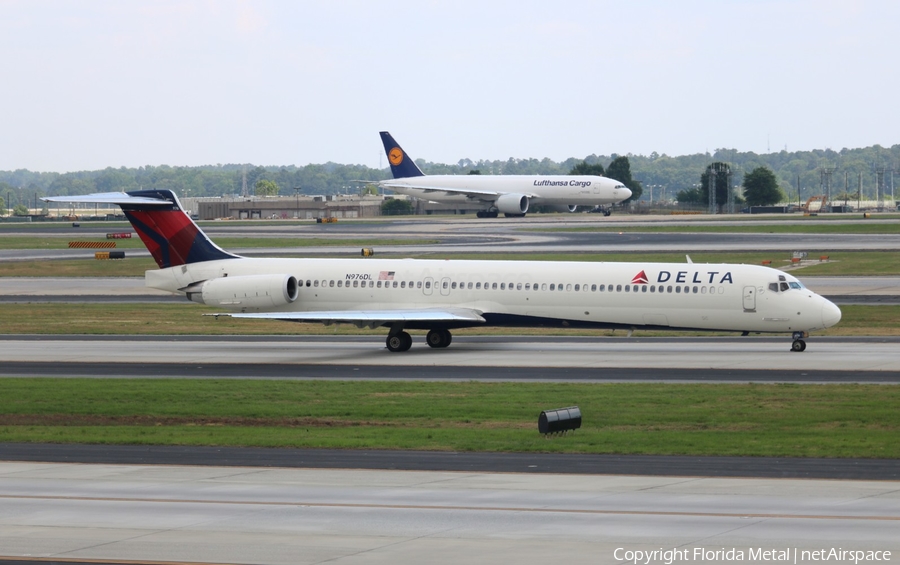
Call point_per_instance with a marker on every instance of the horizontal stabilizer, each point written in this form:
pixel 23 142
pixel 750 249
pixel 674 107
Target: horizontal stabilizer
pixel 120 198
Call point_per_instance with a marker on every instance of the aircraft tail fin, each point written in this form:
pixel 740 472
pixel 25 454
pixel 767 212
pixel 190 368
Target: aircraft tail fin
pixel 167 231
pixel 402 165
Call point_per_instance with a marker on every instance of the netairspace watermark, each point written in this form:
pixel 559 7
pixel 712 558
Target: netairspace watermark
pixel 757 554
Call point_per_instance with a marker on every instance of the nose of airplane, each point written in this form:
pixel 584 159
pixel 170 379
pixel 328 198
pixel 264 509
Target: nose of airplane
pixel 831 314
pixel 625 193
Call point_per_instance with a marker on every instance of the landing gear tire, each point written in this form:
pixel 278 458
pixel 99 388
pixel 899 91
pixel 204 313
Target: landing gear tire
pixel 400 342
pixel 438 339
pixel 798 346
pixel 485 214
pixel 607 212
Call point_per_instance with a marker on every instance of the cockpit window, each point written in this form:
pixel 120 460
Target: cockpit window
pixel 784 286
pixel 773 287
pixel 796 285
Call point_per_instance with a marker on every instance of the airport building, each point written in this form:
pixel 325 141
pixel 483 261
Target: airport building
pixel 284 207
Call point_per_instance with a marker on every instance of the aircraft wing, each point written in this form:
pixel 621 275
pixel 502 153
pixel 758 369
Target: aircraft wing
pixel 371 318
pixel 108 198
pixel 477 194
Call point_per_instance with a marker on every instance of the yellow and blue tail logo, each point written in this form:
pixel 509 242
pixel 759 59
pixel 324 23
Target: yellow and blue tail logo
pixel 402 166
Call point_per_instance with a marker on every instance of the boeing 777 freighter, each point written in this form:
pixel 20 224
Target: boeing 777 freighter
pixel 511 195
pixel 441 295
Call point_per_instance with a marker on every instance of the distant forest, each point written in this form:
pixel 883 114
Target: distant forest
pixel 661 175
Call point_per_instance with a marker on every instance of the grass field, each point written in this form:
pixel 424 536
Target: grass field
pixel 764 420
pixel 857 227
pixel 25 242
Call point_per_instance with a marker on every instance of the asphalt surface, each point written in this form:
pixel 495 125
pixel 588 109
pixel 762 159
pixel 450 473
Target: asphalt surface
pixel 438 373
pixel 650 465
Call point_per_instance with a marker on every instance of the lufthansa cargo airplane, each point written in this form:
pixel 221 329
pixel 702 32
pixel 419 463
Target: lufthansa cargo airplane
pixel 440 295
pixel 507 194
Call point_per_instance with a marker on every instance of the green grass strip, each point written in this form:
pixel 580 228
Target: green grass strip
pixel 758 420
pixel 860 227
pixel 25 242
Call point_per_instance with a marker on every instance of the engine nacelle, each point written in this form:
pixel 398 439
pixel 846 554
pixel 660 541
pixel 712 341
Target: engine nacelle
pixel 512 204
pixel 251 291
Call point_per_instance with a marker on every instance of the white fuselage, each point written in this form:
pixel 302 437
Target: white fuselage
pixel 537 293
pixel 561 190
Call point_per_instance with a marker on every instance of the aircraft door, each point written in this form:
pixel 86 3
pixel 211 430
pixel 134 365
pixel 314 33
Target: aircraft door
pixel 445 286
pixel 749 299
pixel 429 286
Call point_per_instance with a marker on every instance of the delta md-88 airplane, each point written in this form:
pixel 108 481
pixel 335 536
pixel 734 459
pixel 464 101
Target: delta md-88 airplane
pixel 510 195
pixel 440 295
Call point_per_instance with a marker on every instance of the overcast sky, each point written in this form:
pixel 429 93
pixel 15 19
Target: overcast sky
pixel 90 84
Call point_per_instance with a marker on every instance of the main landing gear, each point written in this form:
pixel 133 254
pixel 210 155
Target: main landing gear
pixel 399 341
pixel 486 214
pixel 799 345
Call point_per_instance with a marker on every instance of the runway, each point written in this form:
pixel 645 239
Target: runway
pixel 489 358
pixel 299 516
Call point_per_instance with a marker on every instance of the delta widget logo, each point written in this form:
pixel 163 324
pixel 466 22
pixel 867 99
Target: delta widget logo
pixel 395 156
pixel 640 278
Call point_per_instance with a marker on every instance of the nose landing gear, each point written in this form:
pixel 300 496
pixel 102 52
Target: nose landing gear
pixel 799 345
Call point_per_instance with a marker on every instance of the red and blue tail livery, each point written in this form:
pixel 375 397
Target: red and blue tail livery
pixel 170 235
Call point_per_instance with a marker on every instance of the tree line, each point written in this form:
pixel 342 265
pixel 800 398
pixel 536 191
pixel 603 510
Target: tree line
pixel 661 176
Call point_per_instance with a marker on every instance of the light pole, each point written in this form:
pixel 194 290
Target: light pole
pixel 297 190
pixel 9 203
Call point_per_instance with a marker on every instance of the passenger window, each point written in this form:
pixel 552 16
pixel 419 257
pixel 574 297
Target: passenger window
pixel 316 284
pixel 493 286
pixel 453 286
pixel 644 288
pixel 652 288
pixel 543 286
pixel 502 286
pixel 427 284
pixel 668 289
pixel 469 286
pixel 552 287
pixel 519 286
pixel 478 286
pixel 395 284
pixel 695 290
pixel 702 290
pixel 677 290
pixel 627 288
pixel 330 283
pixel 402 284
pixel 379 284
pixel 569 287
pixel 355 284
pixel 446 284
pixel 559 286
pixel 418 284
pixel 593 288
pixel 371 284
pixel 340 284
pixel 527 286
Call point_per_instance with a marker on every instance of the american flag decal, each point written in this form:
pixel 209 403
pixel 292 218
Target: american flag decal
pixel 386 276
pixel 640 278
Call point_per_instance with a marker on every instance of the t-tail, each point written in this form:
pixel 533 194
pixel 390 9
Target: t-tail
pixel 402 165
pixel 170 235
